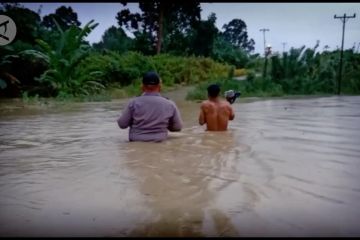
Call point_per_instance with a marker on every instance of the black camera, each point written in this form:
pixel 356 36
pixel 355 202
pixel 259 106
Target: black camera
pixel 231 96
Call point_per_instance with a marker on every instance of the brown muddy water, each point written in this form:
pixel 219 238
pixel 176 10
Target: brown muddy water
pixel 286 167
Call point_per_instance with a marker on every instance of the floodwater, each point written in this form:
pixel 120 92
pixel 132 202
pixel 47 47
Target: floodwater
pixel 286 167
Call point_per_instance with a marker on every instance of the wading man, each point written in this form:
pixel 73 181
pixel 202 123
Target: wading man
pixel 150 116
pixel 215 112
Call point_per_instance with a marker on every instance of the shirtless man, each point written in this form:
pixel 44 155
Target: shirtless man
pixel 215 112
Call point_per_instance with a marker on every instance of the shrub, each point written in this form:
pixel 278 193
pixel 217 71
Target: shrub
pixel 240 72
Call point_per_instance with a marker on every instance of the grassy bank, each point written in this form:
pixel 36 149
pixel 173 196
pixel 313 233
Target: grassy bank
pixel 112 92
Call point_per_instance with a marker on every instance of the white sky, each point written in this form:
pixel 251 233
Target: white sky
pixel 296 24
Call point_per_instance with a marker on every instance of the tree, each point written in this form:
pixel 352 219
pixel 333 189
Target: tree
pixel 143 43
pixel 203 36
pixel 16 70
pixel 225 52
pixel 114 39
pixel 26 20
pixel 160 18
pixel 177 43
pixel 235 32
pixel 65 16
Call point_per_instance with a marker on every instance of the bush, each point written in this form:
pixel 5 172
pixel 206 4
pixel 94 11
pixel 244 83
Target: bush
pixel 125 69
pixel 240 72
pixel 302 71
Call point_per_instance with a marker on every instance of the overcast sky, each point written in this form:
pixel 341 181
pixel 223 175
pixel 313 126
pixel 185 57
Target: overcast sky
pixel 296 24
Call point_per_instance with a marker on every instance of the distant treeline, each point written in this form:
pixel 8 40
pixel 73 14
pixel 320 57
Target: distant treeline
pixel 50 57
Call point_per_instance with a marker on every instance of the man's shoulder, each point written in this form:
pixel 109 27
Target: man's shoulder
pixel 165 99
pixel 158 96
pixel 142 97
pixel 224 103
pixel 168 100
pixel 132 100
pixel 205 103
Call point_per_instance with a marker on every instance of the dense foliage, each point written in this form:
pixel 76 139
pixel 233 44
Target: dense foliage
pixel 50 56
pixel 300 71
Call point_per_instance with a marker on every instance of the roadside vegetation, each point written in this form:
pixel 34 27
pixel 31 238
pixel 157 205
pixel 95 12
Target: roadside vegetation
pixel 50 57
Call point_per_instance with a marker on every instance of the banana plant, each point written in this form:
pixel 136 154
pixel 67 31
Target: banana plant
pixel 62 58
pixel 5 61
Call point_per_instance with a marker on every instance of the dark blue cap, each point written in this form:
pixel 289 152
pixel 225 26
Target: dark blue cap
pixel 151 78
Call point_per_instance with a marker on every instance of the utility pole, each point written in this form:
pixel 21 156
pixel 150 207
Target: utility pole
pixel 343 19
pixel 264 30
pixel 284 44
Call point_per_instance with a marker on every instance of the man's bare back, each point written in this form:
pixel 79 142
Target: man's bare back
pixel 216 113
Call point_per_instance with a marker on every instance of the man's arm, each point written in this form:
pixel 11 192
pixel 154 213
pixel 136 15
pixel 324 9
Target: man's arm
pixel 125 120
pixel 202 118
pixel 232 114
pixel 175 123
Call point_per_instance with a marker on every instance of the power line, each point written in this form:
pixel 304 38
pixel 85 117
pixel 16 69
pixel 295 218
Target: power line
pixel 264 30
pixel 284 44
pixel 343 19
